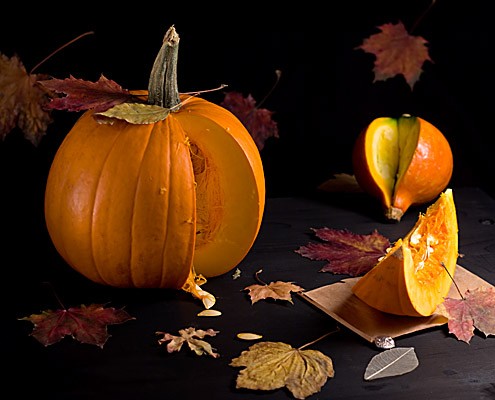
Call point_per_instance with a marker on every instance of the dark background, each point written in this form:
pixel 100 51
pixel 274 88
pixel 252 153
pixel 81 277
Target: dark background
pixel 326 94
pixel 325 97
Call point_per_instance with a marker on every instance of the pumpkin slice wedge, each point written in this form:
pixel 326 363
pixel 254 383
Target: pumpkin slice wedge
pixel 415 276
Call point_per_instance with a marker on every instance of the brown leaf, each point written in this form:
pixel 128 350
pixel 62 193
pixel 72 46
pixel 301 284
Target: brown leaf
pixel 22 101
pixel 276 290
pixel 193 338
pixel 397 53
pixel 475 310
pixel 341 183
pixel 274 365
pixel 347 252
pixel 87 324
pixel 84 95
pixel 258 121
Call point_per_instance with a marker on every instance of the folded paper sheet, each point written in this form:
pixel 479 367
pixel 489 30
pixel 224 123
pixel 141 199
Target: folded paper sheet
pixel 338 301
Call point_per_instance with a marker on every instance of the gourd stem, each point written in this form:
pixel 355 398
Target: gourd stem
pixel 162 88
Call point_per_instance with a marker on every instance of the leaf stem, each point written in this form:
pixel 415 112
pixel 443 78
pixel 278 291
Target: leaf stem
pixel 337 329
pixel 422 16
pixel 60 48
pixel 453 280
pixel 278 73
pixel 257 277
pixel 55 294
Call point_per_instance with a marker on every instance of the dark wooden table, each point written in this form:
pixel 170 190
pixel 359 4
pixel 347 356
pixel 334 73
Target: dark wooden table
pixel 132 365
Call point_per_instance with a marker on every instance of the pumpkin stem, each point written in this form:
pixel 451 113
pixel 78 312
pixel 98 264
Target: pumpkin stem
pixel 162 87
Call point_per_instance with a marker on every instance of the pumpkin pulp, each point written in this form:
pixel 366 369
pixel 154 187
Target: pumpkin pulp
pixel 415 276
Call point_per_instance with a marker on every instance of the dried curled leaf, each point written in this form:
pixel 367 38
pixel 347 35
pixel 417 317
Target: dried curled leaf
pixel 393 362
pixel 87 324
pixel 475 310
pixel 274 365
pixel 85 95
pixel 347 252
pixel 397 53
pixel 258 121
pixel 275 290
pixel 22 101
pixel 134 113
pixel 193 338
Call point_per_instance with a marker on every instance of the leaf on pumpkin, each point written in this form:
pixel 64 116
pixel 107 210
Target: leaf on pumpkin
pixel 87 324
pixel 134 113
pixel 193 338
pixel 258 121
pixel 347 252
pixel 22 101
pixel 393 362
pixel 275 290
pixel 397 53
pixel 274 365
pixel 84 95
pixel 475 310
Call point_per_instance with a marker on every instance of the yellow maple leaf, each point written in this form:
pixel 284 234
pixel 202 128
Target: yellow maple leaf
pixel 274 365
pixel 22 101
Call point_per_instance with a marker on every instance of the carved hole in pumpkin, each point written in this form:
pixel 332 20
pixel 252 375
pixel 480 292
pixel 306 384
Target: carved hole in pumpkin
pixel 209 199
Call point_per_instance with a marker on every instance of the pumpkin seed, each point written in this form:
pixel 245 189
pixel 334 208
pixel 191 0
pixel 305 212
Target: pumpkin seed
pixel 209 313
pixel 248 336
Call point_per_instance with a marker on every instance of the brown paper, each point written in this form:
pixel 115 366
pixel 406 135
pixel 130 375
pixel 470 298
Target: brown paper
pixel 338 301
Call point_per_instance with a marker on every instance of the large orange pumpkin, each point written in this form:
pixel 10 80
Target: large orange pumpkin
pixel 150 205
pixel 416 274
pixel 402 162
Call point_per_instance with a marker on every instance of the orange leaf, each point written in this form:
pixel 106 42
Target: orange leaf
pixel 397 53
pixel 22 101
pixel 276 290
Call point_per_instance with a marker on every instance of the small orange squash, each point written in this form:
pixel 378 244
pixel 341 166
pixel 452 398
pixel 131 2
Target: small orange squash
pixel 402 162
pixel 150 205
pixel 414 277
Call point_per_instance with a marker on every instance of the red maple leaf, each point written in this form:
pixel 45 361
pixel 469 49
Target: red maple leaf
pixel 258 121
pixel 84 95
pixel 347 252
pixel 397 53
pixel 87 324
pixel 475 310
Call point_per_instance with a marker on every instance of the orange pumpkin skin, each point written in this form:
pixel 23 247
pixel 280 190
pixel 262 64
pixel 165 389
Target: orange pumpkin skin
pixel 411 169
pixel 128 205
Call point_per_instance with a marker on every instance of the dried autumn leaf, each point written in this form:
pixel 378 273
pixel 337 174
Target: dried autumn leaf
pixel 87 324
pixel 397 53
pixel 275 290
pixel 258 121
pixel 193 338
pixel 134 113
pixel 393 362
pixel 84 95
pixel 475 310
pixel 22 101
pixel 347 252
pixel 274 365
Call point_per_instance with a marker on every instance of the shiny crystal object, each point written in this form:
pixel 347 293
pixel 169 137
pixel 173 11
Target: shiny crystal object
pixel 384 342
